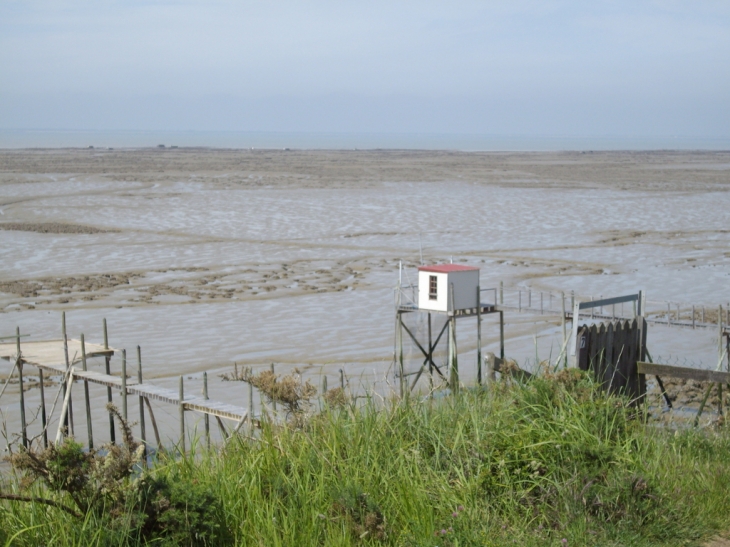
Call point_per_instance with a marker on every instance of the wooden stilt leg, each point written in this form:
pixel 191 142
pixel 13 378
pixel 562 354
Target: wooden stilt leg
pixel 87 402
pixel 154 424
pixel 206 419
pixel 142 429
pixel 44 418
pixel 19 366
pixel 124 385
pixel 479 337
pixel 182 416
pixel 109 397
pixel 401 371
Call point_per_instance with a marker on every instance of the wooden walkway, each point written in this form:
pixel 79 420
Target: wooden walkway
pixel 49 355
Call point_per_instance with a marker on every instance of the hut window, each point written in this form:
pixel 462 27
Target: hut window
pixel 433 286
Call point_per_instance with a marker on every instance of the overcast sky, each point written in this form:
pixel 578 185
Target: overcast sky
pixel 543 67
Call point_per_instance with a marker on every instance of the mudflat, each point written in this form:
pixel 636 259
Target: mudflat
pixel 208 257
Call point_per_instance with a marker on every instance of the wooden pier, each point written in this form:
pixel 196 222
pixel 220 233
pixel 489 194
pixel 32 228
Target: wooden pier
pixel 49 356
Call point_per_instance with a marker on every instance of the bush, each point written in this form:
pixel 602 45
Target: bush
pixel 109 485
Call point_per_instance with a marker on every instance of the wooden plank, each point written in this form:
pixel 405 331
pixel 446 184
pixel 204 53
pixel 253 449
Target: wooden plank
pixel 609 355
pixel 608 301
pixel 686 373
pixel 467 312
pixel 52 351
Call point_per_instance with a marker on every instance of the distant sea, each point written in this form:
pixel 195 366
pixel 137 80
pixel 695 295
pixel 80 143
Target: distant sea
pixel 27 138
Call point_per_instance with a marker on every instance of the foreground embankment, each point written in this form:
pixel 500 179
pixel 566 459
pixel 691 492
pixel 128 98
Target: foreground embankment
pixel 551 462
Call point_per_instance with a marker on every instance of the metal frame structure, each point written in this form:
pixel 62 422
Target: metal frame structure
pixel 431 344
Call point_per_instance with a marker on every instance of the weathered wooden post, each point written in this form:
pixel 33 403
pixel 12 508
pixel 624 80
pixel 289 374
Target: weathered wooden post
pixel 529 299
pixel 519 300
pixel 124 385
pixel 453 360
pixel 703 314
pixel 68 416
pixel 669 314
pixel 206 418
pixel 565 333
pixel 19 366
pixel 694 325
pixel 479 337
pixel 87 402
pixel 501 334
pixel 154 424
pixel 719 336
pixel 44 418
pixel 401 370
pixel 430 356
pixel 541 306
pixel 109 397
pixel 250 409
pixel 142 430
pixel 273 401
pixel 342 380
pixel 64 408
pixel 182 416
pixel 501 293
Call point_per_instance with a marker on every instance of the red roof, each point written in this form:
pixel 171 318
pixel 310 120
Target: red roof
pixel 446 268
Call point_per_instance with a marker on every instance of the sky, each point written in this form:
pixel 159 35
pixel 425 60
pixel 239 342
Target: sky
pixel 548 67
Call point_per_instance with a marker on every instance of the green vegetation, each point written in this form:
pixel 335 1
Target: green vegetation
pixel 551 462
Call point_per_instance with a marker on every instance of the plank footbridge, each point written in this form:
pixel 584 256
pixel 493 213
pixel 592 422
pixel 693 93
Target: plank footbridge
pixel 50 356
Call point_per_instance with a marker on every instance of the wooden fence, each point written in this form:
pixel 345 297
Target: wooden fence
pixel 611 351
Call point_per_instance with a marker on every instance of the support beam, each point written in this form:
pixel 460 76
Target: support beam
pixel 124 385
pixel 423 351
pixel 399 338
pixel 109 397
pixel 44 418
pixel 501 334
pixel 181 406
pixel 64 407
pixel 19 366
pixel 453 359
pixel 66 414
pixel 154 424
pixel 206 418
pixel 479 337
pixel 87 402
pixel 142 429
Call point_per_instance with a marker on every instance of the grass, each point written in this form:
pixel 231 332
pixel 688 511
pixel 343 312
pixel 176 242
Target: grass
pixel 551 462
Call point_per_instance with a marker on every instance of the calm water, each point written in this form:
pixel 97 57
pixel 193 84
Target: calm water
pixel 243 139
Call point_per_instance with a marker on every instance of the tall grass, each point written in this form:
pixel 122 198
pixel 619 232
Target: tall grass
pixel 552 462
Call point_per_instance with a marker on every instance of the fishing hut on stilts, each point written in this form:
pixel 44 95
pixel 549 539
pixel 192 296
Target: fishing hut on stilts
pixel 450 290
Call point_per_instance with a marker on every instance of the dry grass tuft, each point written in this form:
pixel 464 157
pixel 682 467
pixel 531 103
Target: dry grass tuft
pixel 289 390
